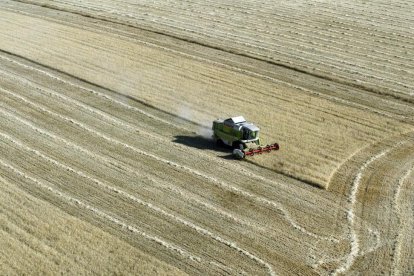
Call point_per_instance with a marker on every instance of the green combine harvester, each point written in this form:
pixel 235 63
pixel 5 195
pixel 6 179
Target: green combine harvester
pixel 242 136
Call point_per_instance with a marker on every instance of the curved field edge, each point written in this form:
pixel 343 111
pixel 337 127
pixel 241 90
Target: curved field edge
pixel 369 183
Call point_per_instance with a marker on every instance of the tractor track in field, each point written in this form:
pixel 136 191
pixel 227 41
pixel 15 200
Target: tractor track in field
pixel 185 195
pixel 106 111
pixel 163 140
pixel 351 212
pixel 243 68
pixel 98 212
pixel 359 196
pixel 89 110
pixel 402 182
pixel 122 18
pixel 312 122
pixel 223 185
pixel 112 189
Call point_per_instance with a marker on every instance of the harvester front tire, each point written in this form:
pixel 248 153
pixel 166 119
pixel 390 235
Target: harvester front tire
pixel 238 145
pixel 239 154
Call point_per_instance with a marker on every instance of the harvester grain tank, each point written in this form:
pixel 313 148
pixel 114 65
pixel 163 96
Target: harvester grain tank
pixel 241 135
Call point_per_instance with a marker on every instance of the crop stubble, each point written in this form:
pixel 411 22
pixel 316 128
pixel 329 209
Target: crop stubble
pixel 112 162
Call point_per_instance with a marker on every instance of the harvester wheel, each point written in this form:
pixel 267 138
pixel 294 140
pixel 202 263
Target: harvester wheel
pixel 238 145
pixel 239 154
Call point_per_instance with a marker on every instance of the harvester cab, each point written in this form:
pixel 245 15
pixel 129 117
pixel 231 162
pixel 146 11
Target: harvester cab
pixel 241 135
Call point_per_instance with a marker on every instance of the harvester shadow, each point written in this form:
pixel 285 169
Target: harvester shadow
pixel 281 172
pixel 202 143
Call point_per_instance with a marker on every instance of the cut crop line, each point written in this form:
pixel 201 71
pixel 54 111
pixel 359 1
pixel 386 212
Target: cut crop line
pixel 223 65
pixel 155 208
pixel 256 29
pixel 148 205
pixel 93 92
pixel 129 169
pixel 192 12
pixel 353 72
pixel 296 33
pixel 205 155
pixel 397 204
pixel 130 126
pixel 304 56
pixel 310 53
pixel 212 180
pixel 110 117
pixel 183 21
pixel 86 107
pixel 354 240
pixel 98 212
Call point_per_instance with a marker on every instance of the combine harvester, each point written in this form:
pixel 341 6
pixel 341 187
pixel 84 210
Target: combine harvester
pixel 241 135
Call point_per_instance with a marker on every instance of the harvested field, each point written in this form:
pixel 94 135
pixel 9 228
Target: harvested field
pixel 106 161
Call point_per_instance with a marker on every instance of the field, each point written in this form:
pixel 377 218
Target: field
pixel 106 159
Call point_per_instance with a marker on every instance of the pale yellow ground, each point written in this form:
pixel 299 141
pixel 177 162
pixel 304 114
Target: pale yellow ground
pixel 106 165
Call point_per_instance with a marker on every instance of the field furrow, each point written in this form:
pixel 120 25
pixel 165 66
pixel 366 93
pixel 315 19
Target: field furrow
pixel 107 162
pixel 175 18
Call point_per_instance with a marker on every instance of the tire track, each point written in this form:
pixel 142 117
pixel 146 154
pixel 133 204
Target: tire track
pixel 98 212
pixel 397 206
pixel 212 180
pixel 94 92
pixel 198 229
pixel 296 33
pixel 143 203
pixel 222 65
pixel 244 43
pixel 352 198
pixel 242 170
pixel 185 195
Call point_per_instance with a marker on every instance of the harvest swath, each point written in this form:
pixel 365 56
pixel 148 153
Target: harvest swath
pixel 106 160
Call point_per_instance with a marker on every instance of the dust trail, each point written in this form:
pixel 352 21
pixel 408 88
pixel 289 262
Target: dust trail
pixel 189 224
pixel 112 99
pixel 176 190
pixel 100 213
pixel 355 250
pixel 187 111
